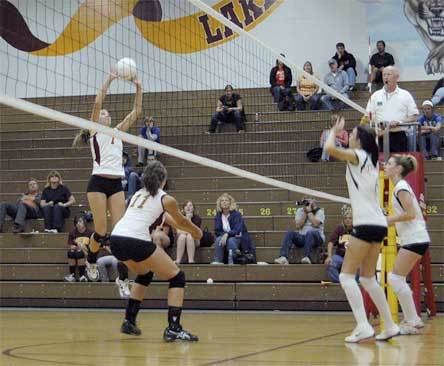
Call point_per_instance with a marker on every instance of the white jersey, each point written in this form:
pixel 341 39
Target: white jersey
pixel 143 214
pixel 413 231
pixel 363 189
pixel 107 155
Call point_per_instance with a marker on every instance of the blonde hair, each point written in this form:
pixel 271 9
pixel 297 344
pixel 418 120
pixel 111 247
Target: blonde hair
pixel 53 173
pixel 346 210
pixel 233 205
pixel 408 164
pixel 81 139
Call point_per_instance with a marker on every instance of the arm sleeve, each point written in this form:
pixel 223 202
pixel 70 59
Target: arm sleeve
pixel 272 77
pixel 320 215
pixel 352 61
pixel 67 193
pixel 44 195
pixel 218 229
pixel 334 236
pixel 392 61
pixel 289 81
pixel 236 227
pixel 372 60
pixel 71 238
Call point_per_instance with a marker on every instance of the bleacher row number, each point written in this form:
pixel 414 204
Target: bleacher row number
pixel 432 210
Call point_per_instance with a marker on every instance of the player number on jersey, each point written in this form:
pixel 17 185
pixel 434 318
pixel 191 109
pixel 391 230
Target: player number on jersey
pixel 141 201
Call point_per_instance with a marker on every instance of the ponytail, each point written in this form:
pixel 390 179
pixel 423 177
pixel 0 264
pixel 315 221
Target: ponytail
pixel 154 175
pixel 367 137
pixel 81 139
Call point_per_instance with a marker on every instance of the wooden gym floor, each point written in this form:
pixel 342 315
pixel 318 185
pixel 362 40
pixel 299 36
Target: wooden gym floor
pixel 92 338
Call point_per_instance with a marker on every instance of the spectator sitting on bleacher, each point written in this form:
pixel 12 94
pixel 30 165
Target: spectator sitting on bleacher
pixel 338 80
pixel 430 131
pixel 341 137
pixel 280 80
pixel 346 62
pixel 184 239
pixel 231 231
pixel 308 91
pixel 110 267
pixel 438 93
pixel 131 182
pixel 339 239
pixel 149 132
pixel 378 62
pixel 78 239
pixel 55 203
pixel 309 220
pixel 229 110
pixel 27 207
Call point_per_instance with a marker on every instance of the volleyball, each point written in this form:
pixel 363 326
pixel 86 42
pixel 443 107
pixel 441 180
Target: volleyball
pixel 126 68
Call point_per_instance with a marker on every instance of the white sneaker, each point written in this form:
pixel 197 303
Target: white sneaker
pixel 70 278
pixel 123 287
pixel 386 334
pixel 92 272
pixel 418 323
pixel 360 333
pixel 281 260
pixel 305 260
pixel 217 263
pixel 411 327
pixel 83 279
pixel 54 231
pixel 47 231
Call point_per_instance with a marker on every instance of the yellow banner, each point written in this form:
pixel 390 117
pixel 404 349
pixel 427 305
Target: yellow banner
pixel 188 34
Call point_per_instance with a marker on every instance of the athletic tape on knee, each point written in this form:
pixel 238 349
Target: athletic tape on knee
pixel 346 279
pixel 144 279
pixel 369 283
pixel 178 281
pixel 398 283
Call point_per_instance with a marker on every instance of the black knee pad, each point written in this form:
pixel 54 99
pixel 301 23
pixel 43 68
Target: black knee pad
pixel 79 254
pixel 72 254
pixel 178 280
pixel 92 257
pixel 145 279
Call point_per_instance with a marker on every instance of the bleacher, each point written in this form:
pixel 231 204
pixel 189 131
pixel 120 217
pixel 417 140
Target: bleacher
pixel 32 266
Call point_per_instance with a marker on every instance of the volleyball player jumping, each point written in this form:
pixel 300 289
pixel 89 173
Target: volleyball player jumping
pixel 369 229
pixel 413 235
pixel 131 243
pixel 105 189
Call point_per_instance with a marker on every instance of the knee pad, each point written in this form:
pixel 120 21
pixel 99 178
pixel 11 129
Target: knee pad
pixel 72 254
pixel 178 280
pixel 347 280
pixel 79 254
pixel 369 283
pixel 92 257
pixel 398 283
pixel 144 279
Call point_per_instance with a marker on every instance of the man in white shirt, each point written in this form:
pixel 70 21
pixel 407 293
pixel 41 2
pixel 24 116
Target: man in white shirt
pixel 392 106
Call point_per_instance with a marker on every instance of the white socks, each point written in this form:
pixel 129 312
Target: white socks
pixel 354 297
pixel 377 295
pixel 404 294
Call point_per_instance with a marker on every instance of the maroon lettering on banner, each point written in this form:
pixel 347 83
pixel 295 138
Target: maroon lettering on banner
pixel 268 3
pixel 211 38
pixel 229 13
pixel 249 6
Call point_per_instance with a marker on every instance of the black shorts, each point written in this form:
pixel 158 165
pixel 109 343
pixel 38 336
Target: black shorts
pixel 104 185
pixel 370 233
pixel 124 248
pixel 418 248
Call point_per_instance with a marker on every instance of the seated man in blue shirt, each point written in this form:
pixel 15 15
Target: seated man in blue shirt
pixel 150 132
pixel 430 131
pixel 338 80
pixel 309 220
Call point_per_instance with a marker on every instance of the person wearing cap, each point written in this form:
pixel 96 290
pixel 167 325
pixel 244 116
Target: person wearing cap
pixel 346 62
pixel 149 132
pixel 391 107
pixel 338 80
pixel 229 110
pixel 430 130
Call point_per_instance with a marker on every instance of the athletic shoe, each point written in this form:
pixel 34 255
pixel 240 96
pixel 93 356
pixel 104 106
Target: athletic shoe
pixel 123 287
pixel 410 328
pixel 281 260
pixel 130 328
pixel 418 323
pixel 217 263
pixel 386 334
pixel 360 333
pixel 70 278
pixel 83 279
pixel 92 272
pixel 17 229
pixel 47 231
pixel 305 260
pixel 171 335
